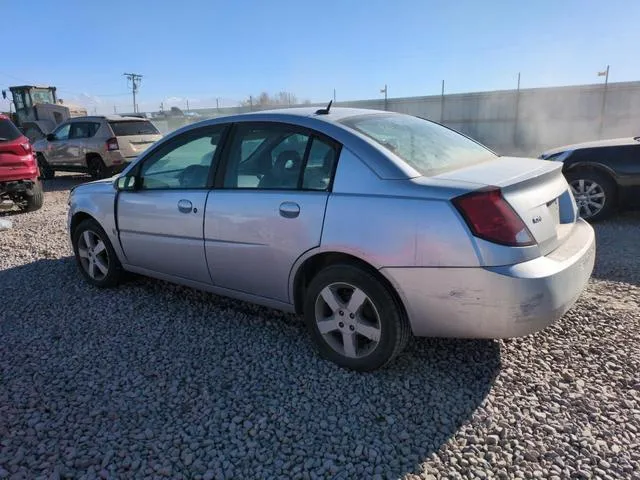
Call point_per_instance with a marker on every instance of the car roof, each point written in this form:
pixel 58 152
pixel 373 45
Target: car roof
pixel 110 118
pixel 335 114
pixel 611 142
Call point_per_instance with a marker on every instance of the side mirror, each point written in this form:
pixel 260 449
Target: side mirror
pixel 125 183
pixel 50 137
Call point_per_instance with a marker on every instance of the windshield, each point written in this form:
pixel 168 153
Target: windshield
pixel 132 127
pixel 8 131
pixel 426 146
pixel 42 96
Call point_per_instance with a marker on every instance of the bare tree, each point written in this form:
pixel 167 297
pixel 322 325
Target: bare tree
pixel 265 100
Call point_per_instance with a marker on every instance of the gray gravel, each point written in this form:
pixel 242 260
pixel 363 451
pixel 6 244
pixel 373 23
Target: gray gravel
pixel 157 380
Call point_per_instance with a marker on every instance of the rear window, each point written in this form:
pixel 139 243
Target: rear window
pixel 426 146
pixel 132 127
pixel 8 131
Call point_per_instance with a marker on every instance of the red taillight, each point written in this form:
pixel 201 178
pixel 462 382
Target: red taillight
pixel 491 218
pixel 112 144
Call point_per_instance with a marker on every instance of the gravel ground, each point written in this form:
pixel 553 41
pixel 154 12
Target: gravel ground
pixel 163 381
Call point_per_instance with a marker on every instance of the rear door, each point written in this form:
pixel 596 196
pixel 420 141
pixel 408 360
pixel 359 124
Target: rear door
pixel 270 209
pixel 160 223
pixel 134 136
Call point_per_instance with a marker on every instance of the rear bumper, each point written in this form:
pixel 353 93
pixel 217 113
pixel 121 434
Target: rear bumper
pixel 17 186
pixel 497 302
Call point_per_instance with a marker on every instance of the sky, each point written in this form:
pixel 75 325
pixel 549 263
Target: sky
pixel 203 50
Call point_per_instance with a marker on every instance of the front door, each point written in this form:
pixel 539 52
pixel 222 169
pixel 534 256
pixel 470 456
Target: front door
pixel 271 209
pixel 56 149
pixel 160 223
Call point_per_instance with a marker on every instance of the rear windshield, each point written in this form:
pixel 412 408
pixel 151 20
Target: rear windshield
pixel 8 131
pixel 426 146
pixel 133 127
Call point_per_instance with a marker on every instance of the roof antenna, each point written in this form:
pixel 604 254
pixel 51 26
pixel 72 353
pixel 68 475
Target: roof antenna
pixel 324 111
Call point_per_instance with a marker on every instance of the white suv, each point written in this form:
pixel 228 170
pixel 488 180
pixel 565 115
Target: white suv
pixel 98 145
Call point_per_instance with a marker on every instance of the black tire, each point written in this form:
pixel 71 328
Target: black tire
pixel 46 171
pixel 114 269
pixel 394 331
pixel 607 186
pixel 34 198
pixel 96 167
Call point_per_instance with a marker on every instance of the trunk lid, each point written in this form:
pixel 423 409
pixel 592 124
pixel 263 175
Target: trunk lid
pixel 16 160
pixel 134 145
pixel 134 135
pixel 535 189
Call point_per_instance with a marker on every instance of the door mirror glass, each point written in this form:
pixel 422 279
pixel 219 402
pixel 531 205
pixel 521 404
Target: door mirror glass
pixel 51 137
pixel 126 183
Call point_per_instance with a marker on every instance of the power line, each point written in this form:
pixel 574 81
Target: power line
pixel 135 80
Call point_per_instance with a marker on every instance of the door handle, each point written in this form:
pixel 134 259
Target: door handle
pixel 289 209
pixel 185 206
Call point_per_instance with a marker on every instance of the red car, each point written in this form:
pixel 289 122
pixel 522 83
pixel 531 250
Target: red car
pixel 19 173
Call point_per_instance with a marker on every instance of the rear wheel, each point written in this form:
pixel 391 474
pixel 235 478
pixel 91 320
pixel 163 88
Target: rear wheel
pixel 595 194
pixel 34 198
pixel 95 255
pixel 46 171
pixel 96 167
pixel 354 319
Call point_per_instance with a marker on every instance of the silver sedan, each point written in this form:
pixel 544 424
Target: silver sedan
pixel 374 226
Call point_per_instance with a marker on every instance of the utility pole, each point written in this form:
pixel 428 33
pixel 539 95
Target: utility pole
pixel 384 90
pixel 161 107
pixel 251 102
pixel 136 80
pixel 334 95
pixel 114 109
pixel 442 103
pixel 217 104
pixel 604 74
pixel 515 120
pixel 187 105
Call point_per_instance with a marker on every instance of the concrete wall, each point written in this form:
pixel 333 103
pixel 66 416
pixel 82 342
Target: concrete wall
pixel 524 123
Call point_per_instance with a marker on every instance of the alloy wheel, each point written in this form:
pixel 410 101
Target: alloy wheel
pixel 93 254
pixel 589 196
pixel 348 320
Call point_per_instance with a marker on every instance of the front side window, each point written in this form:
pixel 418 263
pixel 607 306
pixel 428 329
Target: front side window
pixel 62 133
pixel 278 157
pixel 184 163
pixel 426 146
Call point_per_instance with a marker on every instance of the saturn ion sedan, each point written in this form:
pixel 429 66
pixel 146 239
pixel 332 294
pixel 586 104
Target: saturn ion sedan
pixel 375 226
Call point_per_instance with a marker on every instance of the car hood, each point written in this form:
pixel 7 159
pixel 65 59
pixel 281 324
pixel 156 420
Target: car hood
pixel 612 142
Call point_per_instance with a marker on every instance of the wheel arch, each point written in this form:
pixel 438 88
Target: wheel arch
pixel 77 218
pixel 592 166
pixel 597 167
pixel 312 262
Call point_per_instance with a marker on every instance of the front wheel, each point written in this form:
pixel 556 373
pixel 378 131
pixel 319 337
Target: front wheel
pixel 95 255
pixel 595 194
pixel 353 318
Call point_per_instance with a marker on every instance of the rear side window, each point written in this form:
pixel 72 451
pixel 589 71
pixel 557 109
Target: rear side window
pixel 8 131
pixel 429 148
pixel 129 128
